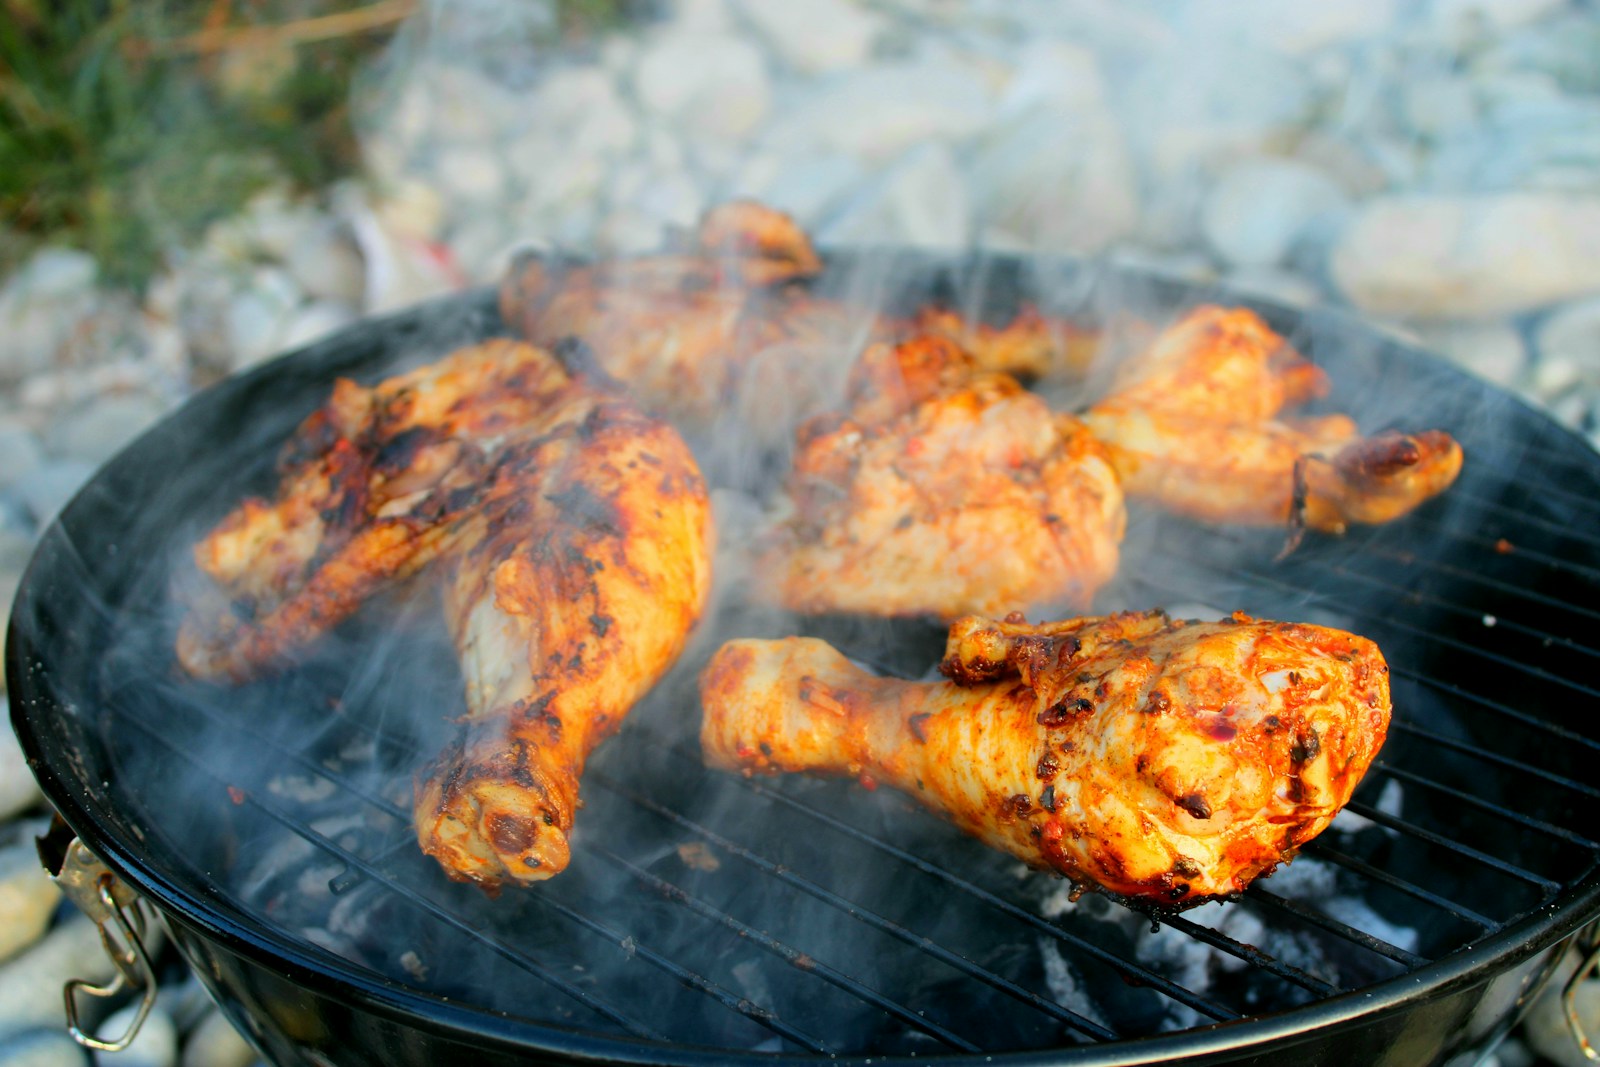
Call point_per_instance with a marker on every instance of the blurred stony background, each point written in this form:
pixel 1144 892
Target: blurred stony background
pixel 1433 165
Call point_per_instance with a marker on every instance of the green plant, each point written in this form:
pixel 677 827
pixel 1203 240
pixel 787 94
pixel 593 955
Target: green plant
pixel 126 127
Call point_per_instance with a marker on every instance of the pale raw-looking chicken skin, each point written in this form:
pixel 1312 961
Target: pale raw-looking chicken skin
pixel 718 321
pixel 571 535
pixel 1195 425
pixel 1162 761
pixel 942 491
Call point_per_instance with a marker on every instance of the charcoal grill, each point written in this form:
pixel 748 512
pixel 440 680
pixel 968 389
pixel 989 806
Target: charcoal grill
pixel 711 919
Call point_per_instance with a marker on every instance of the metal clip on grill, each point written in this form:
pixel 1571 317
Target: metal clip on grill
pixel 112 906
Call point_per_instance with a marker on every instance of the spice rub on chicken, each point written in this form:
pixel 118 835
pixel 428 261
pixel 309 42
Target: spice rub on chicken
pixel 720 320
pixel 1196 425
pixel 570 533
pixel 943 491
pixel 1163 761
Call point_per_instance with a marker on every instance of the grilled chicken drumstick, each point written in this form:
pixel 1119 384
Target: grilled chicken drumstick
pixel 943 491
pixel 1194 424
pixel 1163 761
pixel 571 534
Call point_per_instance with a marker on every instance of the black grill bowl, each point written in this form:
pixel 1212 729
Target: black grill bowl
pixel 709 919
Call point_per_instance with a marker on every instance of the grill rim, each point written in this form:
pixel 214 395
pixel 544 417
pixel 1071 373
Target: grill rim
pixel 35 709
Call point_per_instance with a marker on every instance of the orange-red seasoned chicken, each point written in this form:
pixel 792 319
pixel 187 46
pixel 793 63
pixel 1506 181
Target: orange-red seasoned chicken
pixel 571 534
pixel 943 491
pixel 714 325
pixel 1163 761
pixel 678 328
pixel 1195 425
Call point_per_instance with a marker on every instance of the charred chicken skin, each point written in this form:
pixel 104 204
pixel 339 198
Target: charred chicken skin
pixel 572 537
pixel 1162 761
pixel 1195 425
pixel 693 330
pixel 943 491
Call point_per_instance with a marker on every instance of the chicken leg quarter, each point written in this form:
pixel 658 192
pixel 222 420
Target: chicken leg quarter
pixel 1163 761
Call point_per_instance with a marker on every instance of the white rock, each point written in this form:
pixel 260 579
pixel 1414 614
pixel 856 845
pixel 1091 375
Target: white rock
pixel 807 187
pixel 1545 1027
pixel 466 107
pixel 816 36
pixel 1491 350
pixel 558 183
pixel 1296 29
pixel 878 112
pixel 920 202
pixel 18 790
pixel 314 321
pixel 576 110
pixel 44 1047
pixel 673 200
pixel 30 984
pixel 626 231
pixel 1057 73
pixel 1210 100
pixel 47 488
pixel 1571 334
pixel 1061 180
pixel 1439 106
pixel 1496 15
pixel 618 55
pixel 19 451
pixel 57 272
pixel 155 1045
pixel 413 210
pixel 98 430
pixel 1260 208
pixel 701 16
pixel 1562 48
pixel 327 265
pixel 41 306
pixel 1469 256
pixel 714 85
pixel 471 177
pixel 215 1043
pixel 27 897
pixel 256 318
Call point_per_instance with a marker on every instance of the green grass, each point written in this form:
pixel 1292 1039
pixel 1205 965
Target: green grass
pixel 115 142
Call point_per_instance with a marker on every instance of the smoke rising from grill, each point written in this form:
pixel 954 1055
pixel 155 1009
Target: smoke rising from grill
pixel 699 875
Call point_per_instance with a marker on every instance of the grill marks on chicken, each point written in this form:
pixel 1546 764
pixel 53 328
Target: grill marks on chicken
pixel 1163 761
pixel 1195 424
pixel 571 535
pixel 943 491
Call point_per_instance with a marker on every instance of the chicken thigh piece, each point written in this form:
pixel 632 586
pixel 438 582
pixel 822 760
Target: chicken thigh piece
pixel 570 533
pixel 695 328
pixel 942 492
pixel 678 327
pixel 1162 761
pixel 1195 425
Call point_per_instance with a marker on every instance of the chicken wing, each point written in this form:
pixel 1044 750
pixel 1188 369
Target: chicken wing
pixel 572 537
pixel 1194 424
pixel 1162 761
pixel 943 491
